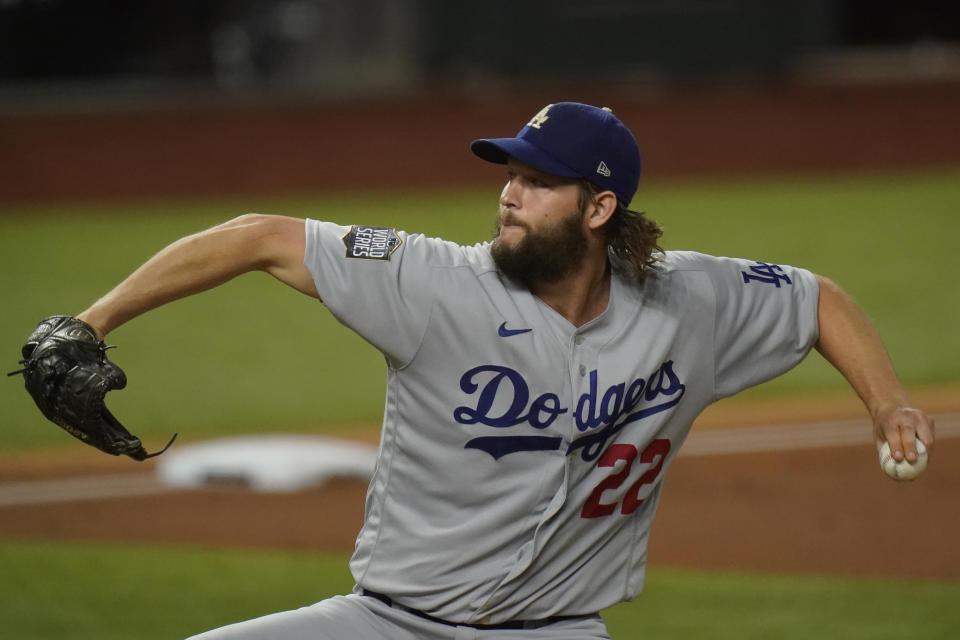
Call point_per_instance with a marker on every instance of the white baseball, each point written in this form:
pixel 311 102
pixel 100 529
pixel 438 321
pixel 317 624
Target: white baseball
pixel 903 470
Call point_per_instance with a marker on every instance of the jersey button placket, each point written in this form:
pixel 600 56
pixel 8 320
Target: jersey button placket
pixel 578 354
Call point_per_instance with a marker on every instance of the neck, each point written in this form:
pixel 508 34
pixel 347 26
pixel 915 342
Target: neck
pixel 581 296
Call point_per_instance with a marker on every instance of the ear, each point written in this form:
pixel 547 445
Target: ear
pixel 600 209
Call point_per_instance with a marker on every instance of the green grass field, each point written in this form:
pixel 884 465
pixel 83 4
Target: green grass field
pixel 95 592
pixel 254 356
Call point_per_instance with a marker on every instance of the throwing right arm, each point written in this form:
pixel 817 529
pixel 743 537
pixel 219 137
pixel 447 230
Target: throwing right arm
pixel 252 242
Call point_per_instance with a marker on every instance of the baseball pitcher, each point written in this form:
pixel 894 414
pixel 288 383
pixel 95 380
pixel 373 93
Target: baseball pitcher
pixel 539 385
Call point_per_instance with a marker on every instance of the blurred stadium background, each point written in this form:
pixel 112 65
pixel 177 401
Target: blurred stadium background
pixel 103 98
pixel 55 48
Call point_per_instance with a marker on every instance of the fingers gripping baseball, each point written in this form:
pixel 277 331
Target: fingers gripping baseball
pixel 901 428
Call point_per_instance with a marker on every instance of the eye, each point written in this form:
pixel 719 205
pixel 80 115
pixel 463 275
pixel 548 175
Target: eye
pixel 535 182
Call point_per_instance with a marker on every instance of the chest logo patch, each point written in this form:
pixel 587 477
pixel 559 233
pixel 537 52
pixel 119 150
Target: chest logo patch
pixel 371 243
pixel 504 332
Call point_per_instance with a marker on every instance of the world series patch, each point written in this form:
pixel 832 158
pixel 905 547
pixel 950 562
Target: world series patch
pixel 371 243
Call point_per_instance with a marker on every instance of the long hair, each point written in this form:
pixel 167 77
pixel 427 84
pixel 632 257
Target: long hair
pixel 631 236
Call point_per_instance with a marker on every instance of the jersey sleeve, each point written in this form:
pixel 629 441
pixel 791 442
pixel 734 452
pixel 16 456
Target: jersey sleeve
pixel 766 321
pixel 374 280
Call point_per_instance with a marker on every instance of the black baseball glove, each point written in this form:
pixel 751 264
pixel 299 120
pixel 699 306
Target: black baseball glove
pixel 66 370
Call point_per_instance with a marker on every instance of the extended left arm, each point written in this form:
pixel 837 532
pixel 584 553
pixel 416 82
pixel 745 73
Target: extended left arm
pixel 850 342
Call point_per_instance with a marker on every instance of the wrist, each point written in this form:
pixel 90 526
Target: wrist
pixel 98 325
pixel 881 410
pixel 883 398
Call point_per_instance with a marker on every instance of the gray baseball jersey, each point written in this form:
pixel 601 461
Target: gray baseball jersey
pixel 522 458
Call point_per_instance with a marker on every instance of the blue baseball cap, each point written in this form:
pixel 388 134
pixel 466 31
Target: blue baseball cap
pixel 573 140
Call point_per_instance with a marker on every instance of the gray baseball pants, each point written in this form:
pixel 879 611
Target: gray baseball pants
pixel 357 617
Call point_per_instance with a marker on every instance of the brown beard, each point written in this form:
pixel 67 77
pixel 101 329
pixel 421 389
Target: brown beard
pixel 545 256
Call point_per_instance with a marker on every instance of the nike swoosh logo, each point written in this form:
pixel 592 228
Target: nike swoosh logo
pixel 503 332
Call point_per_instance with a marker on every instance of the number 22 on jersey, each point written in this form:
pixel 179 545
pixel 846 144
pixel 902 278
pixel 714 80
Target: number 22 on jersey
pixel 594 508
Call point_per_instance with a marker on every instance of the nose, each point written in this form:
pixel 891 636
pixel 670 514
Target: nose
pixel 510 196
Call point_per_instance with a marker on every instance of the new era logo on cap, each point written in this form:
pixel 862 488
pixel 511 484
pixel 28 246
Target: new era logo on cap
pixel 573 140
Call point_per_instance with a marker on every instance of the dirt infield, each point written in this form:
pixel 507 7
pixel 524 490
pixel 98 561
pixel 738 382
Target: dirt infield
pixel 824 510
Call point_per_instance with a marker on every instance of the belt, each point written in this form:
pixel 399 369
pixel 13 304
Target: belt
pixel 510 624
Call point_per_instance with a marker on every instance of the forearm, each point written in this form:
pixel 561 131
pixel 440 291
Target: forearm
pixel 200 262
pixel 850 342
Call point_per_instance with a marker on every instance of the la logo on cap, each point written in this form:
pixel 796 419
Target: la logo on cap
pixel 540 118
